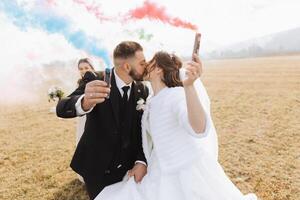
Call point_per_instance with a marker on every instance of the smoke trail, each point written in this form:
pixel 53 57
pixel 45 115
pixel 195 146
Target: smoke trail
pixel 153 12
pixel 93 9
pixel 147 10
pixel 51 23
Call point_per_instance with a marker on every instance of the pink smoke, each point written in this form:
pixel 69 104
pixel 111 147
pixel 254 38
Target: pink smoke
pixel 93 9
pixel 152 11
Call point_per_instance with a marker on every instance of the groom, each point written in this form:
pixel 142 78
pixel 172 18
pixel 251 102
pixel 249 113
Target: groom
pixel 111 143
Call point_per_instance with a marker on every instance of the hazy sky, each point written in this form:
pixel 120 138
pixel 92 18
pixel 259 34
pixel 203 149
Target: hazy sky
pixel 38 32
pixel 221 22
pixel 228 21
pixel 225 21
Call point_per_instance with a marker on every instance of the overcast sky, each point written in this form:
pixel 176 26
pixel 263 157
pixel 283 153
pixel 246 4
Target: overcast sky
pixel 38 32
pixel 221 22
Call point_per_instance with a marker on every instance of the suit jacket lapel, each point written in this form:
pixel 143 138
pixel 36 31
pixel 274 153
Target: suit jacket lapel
pixel 137 94
pixel 114 98
pixel 132 102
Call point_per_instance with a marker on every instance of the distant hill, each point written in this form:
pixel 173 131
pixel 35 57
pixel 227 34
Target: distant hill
pixel 285 42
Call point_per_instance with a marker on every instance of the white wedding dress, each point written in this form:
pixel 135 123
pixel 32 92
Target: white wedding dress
pixel 182 165
pixel 79 131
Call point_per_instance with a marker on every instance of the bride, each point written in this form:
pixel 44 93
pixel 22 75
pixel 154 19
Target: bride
pixel 182 165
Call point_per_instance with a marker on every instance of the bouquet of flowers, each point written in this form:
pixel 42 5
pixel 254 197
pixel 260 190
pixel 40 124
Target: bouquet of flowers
pixel 55 93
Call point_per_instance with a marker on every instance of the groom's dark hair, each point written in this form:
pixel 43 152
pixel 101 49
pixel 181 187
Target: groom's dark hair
pixel 127 49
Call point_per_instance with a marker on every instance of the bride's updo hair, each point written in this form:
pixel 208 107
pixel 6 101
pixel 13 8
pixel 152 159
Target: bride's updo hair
pixel 170 64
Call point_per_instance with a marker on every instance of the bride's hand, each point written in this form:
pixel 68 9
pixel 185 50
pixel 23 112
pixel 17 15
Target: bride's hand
pixel 193 71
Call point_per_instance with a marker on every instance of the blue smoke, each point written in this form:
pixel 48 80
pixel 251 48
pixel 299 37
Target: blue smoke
pixel 52 23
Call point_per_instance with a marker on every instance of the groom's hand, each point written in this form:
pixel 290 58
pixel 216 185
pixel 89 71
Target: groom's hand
pixel 138 171
pixel 95 92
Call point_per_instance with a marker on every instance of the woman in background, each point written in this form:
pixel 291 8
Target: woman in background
pixel 83 66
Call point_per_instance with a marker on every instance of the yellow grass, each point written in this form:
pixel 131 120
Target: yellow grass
pixel 256 110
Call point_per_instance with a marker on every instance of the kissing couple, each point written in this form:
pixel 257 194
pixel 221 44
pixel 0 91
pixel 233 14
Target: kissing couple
pixel 137 146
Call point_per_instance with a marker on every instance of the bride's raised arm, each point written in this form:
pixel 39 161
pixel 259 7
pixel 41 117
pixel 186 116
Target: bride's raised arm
pixel 196 113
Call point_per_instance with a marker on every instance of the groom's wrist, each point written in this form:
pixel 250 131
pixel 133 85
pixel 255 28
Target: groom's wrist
pixel 79 109
pixel 141 162
pixel 85 106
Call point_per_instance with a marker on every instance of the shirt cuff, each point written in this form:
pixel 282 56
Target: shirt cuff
pixel 79 110
pixel 141 162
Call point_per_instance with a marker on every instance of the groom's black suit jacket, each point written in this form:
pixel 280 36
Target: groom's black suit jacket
pixel 102 138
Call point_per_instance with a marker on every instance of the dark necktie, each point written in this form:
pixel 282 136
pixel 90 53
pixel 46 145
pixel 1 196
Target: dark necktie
pixel 125 90
pixel 124 113
pixel 124 102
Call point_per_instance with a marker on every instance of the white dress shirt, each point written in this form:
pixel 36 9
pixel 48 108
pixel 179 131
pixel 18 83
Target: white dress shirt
pixel 120 84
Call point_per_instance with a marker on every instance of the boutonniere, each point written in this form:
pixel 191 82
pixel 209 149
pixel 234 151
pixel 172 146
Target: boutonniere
pixel 141 105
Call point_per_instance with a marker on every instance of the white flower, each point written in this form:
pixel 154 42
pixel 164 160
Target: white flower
pixel 141 104
pixel 55 93
pixel 51 91
pixel 140 101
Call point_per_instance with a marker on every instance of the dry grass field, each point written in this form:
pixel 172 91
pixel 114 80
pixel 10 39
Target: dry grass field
pixel 256 110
